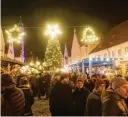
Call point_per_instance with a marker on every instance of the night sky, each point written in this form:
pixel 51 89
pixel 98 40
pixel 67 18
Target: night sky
pixel 102 15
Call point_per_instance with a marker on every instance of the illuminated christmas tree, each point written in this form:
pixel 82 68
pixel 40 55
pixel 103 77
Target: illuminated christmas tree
pixel 53 55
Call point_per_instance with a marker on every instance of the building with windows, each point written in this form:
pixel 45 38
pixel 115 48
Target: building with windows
pixel 114 46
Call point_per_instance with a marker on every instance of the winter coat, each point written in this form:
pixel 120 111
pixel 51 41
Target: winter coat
pixel 33 81
pixel 29 99
pixel 13 102
pixel 61 100
pixel 79 101
pixel 93 105
pixel 113 104
pixel 89 85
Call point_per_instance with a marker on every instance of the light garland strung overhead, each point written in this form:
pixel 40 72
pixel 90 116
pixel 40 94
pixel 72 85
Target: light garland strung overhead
pixel 15 34
pixel 89 35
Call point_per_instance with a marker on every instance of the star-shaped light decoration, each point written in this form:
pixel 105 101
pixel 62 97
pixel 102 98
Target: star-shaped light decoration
pixel 52 31
pixel 15 34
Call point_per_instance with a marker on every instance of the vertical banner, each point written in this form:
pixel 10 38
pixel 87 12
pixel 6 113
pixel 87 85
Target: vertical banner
pixel 65 56
pixel 10 51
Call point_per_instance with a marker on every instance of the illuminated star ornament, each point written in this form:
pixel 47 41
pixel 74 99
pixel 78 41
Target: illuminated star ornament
pixel 52 31
pixel 15 34
pixel 89 35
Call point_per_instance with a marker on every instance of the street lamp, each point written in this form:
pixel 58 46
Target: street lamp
pixel 52 31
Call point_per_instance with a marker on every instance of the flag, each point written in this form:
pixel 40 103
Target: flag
pixel 65 55
pixel 11 51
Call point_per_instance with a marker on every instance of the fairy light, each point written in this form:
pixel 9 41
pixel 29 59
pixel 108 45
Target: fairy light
pixel 14 34
pixel 89 35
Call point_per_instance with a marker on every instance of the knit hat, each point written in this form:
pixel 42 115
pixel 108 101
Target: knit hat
pixel 7 80
pixel 99 82
pixel 80 80
pixel 117 82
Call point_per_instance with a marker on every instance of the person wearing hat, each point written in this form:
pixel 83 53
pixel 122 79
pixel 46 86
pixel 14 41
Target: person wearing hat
pixel 113 103
pixel 79 97
pixel 60 101
pixel 93 105
pixel 29 98
pixel 13 100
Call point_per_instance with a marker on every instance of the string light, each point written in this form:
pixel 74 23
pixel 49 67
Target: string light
pixel 14 34
pixel 89 35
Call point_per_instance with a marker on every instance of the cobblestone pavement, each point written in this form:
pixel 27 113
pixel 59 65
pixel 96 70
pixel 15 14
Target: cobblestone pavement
pixel 41 108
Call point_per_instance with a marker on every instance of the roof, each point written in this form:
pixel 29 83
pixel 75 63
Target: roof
pixel 117 35
pixel 8 60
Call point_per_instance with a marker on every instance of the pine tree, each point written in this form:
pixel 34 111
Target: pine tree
pixel 53 55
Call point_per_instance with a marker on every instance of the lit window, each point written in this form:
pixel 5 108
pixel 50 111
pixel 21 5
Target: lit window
pixel 119 52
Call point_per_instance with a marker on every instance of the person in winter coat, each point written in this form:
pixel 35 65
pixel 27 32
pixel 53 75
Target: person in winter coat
pixel 90 84
pixel 29 98
pixel 34 84
pixel 79 97
pixel 48 81
pixel 41 86
pixel 113 103
pixel 13 100
pixel 93 105
pixel 61 97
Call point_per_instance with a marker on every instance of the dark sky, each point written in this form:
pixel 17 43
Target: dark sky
pixel 100 14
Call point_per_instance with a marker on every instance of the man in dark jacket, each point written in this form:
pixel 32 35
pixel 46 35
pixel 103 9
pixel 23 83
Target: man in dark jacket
pixel 90 84
pixel 79 97
pixel 48 81
pixel 93 105
pixel 29 98
pixel 113 103
pixel 61 98
pixel 34 83
pixel 13 100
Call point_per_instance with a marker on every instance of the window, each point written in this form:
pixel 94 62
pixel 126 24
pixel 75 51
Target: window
pixel 119 52
pixel 126 50
pixel 113 54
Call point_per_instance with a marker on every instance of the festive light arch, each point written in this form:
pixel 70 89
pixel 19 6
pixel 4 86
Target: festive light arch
pixel 89 35
pixel 15 31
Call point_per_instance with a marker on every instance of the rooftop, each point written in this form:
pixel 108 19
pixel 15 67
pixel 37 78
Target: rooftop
pixel 117 35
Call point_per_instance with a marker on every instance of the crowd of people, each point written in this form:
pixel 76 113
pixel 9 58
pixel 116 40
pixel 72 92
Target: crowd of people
pixel 69 94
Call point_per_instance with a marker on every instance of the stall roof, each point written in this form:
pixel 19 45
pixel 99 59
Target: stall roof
pixel 8 60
